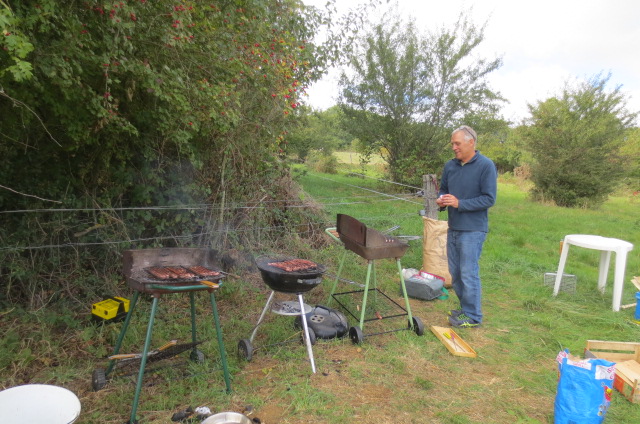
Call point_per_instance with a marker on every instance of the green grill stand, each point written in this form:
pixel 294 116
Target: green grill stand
pixel 356 332
pixel 99 378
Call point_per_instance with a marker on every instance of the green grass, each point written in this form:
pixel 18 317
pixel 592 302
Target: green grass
pixel 391 378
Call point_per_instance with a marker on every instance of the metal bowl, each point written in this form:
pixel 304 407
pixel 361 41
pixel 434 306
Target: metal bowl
pixel 227 418
pixel 288 284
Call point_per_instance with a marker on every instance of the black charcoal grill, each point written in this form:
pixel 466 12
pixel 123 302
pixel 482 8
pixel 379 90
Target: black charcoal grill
pixel 371 245
pixel 299 280
pixel 138 270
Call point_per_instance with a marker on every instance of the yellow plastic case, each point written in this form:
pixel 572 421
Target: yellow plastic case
pixel 113 308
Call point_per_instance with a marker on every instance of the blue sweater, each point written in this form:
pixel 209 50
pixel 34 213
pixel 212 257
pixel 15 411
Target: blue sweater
pixel 475 185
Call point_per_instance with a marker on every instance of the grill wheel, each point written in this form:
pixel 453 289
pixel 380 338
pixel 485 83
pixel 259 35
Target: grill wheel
pixel 98 379
pixel 355 334
pixel 245 350
pixel 418 326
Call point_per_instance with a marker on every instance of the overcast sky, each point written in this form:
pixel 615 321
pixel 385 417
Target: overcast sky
pixel 543 44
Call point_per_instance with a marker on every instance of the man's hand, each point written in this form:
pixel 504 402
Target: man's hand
pixel 447 200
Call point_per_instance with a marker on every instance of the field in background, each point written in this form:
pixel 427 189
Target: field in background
pixel 353 158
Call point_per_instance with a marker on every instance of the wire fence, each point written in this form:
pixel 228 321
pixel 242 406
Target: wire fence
pixel 75 254
pixel 205 211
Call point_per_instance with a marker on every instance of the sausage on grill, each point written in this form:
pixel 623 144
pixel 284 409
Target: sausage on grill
pixel 162 273
pixel 203 271
pixel 181 272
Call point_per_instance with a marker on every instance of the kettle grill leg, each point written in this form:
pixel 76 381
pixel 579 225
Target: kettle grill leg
pixel 264 312
pixel 307 339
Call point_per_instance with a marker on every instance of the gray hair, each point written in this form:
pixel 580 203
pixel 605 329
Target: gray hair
pixel 469 133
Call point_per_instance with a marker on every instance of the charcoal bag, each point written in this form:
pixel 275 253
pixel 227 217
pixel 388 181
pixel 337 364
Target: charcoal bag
pixel 584 390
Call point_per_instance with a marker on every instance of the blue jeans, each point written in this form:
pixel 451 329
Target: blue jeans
pixel 463 253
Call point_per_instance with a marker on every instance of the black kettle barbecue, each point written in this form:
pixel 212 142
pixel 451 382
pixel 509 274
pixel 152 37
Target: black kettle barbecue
pixel 289 275
pixel 286 275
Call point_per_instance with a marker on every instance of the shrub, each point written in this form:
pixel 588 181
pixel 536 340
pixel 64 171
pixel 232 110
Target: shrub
pixel 321 162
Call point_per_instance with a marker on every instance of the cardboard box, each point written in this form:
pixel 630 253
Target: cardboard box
pixel 627 380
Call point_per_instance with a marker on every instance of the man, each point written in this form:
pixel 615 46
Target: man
pixel 468 190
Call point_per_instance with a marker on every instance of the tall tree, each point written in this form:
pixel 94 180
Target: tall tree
pixel 575 142
pixel 320 131
pixel 111 108
pixel 405 91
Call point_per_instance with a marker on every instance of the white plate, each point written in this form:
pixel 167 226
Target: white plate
pixel 38 403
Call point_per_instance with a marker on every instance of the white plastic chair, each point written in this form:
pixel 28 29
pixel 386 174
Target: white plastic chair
pixel 606 245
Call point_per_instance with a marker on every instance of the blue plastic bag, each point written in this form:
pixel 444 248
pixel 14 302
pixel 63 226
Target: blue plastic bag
pixel 584 390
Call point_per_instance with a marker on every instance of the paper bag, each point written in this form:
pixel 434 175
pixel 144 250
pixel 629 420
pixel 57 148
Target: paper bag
pixel 434 249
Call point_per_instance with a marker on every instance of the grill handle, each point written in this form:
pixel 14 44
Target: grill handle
pixel 174 288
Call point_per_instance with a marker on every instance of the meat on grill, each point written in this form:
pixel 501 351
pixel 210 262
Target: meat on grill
pixel 203 271
pixel 162 273
pixel 181 272
pixel 294 265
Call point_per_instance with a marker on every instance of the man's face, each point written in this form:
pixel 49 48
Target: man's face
pixel 463 149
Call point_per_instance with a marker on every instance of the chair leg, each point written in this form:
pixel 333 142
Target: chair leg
pixel 563 261
pixel 621 264
pixel 605 260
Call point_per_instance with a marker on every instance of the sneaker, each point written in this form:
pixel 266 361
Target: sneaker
pixel 463 321
pixel 455 312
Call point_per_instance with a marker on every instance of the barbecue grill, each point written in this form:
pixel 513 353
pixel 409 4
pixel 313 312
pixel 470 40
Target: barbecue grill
pixel 371 245
pixel 291 276
pixel 157 272
pixel 367 242
pixel 301 276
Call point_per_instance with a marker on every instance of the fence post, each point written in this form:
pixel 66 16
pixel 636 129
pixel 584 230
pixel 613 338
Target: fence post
pixel 430 186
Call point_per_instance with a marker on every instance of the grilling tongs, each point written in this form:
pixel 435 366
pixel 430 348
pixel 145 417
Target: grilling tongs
pixel 139 355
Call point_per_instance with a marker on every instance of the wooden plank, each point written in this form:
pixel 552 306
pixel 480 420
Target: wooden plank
pixel 609 356
pixel 629 369
pixel 613 351
pixel 454 343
